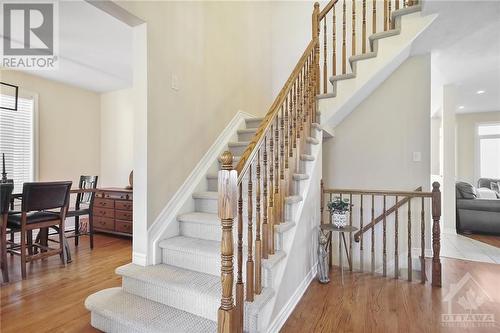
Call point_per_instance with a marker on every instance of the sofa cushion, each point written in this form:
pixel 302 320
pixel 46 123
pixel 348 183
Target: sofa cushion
pixel 484 205
pixel 466 190
pixel 486 193
pixel 495 186
pixel 485 182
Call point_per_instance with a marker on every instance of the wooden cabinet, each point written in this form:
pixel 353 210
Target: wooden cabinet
pixel 113 211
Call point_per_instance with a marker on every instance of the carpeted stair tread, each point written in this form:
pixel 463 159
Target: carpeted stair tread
pixel 114 310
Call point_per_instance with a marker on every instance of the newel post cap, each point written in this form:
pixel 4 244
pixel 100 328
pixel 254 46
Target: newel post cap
pixel 226 160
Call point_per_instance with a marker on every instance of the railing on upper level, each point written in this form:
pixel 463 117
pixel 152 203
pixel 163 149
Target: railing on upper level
pixel 344 29
pixel 270 160
pixel 381 198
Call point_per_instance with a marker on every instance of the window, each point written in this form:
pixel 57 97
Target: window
pixel 489 150
pixel 17 140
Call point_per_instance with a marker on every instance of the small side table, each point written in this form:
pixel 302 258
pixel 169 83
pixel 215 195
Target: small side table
pixel 330 228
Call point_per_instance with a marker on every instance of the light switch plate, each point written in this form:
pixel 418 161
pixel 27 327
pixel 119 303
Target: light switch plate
pixel 175 82
pixel 417 156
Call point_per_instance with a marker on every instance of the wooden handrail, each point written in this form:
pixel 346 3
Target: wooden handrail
pixel 380 218
pixel 251 151
pixel 414 194
pixel 327 9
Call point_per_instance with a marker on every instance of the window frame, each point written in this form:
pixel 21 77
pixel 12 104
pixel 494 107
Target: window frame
pixel 477 168
pixel 23 93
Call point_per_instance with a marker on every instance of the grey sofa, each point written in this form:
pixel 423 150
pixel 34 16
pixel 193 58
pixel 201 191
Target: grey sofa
pixel 476 215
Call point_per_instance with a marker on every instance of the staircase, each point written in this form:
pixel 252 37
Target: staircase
pixel 222 269
pixel 182 293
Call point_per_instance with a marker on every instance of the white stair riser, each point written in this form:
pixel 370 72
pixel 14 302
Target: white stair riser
pixel 299 185
pixel 110 326
pixel 182 300
pixel 290 210
pixel 251 123
pixel 212 184
pixel 245 136
pixel 205 205
pixel 214 232
pixel 237 150
pixel 209 231
pixel 209 264
pixel 304 166
pixel 203 305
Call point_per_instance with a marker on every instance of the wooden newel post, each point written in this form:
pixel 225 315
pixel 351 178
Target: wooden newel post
pixel 436 235
pixel 227 186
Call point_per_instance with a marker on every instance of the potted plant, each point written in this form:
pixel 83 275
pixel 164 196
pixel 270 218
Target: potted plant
pixel 339 209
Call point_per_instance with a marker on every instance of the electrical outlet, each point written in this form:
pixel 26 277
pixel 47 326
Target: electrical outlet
pixel 175 82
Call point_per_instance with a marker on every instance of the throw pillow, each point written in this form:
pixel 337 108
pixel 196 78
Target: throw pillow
pixel 467 190
pixel 495 186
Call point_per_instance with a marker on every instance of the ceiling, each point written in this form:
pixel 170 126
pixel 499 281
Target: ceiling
pixel 95 49
pixel 464 42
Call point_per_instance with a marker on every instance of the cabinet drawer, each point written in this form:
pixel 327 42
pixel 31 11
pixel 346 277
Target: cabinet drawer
pixel 123 226
pixel 123 215
pixel 117 195
pixel 123 205
pixel 104 212
pixel 104 223
pixel 104 203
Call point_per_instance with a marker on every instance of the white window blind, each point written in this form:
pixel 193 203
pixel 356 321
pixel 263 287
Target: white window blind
pixel 489 150
pixel 17 140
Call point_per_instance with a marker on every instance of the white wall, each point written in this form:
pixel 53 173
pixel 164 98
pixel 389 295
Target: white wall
pixel 300 244
pixel 466 143
pixel 69 127
pixel 117 138
pixel 211 48
pixel 373 147
pixel 449 105
pixel 435 145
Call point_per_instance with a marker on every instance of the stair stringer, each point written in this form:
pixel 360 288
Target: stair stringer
pixel 299 264
pixel 166 225
pixel 390 48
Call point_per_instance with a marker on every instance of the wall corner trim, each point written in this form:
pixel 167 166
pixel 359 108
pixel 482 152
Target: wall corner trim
pixel 139 259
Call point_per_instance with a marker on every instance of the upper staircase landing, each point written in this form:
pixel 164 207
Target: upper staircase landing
pixel 385 52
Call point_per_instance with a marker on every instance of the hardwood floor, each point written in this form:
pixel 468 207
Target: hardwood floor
pixel 51 299
pixel 377 304
pixel 490 240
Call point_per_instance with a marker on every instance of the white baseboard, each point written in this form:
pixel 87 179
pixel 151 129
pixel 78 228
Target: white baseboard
pixel 169 213
pixel 286 311
pixel 450 231
pixel 139 259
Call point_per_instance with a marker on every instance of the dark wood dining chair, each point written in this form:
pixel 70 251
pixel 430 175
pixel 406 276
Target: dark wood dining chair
pixel 83 207
pixel 5 194
pixel 44 204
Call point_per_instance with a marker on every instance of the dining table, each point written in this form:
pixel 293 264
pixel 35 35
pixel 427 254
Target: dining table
pixel 44 232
